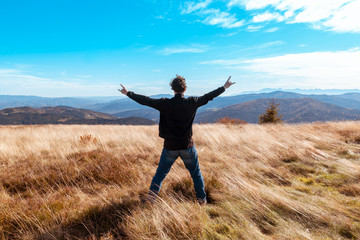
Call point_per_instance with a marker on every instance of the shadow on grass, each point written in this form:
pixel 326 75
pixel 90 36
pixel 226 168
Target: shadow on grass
pixel 184 190
pixel 107 221
pixel 96 222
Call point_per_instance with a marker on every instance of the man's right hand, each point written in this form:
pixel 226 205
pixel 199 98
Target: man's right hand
pixel 228 83
pixel 123 90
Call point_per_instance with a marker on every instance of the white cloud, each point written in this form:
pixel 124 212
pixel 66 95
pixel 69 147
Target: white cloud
pixel 223 19
pixel 251 48
pixel 270 44
pixel 252 28
pixel 335 15
pixel 315 69
pixel 14 81
pixel 212 16
pixel 270 30
pixel 313 11
pixel 183 49
pixel 224 62
pixel 190 7
pixel 228 34
pixel 265 17
pixel 347 19
pixel 8 71
pixel 15 73
pixel 253 4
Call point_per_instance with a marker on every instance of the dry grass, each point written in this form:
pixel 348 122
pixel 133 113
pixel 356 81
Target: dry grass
pixel 263 182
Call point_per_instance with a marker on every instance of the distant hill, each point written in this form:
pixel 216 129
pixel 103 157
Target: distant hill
pixel 116 106
pixel 10 101
pixel 294 110
pixel 306 91
pixel 148 113
pixel 122 107
pixel 127 107
pixel 63 115
pixel 349 100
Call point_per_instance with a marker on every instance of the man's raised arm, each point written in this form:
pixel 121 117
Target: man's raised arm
pixel 213 94
pixel 143 100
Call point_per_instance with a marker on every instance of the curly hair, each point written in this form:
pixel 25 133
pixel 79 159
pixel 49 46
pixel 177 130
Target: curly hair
pixel 178 84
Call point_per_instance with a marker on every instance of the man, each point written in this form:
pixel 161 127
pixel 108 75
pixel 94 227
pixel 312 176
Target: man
pixel 175 126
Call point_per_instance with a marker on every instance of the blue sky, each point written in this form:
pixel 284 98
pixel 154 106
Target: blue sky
pixel 87 48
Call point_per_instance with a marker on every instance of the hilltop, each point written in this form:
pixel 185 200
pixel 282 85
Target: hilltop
pixel 123 107
pixel 294 110
pixel 114 105
pixel 321 107
pixel 63 115
pixel 291 181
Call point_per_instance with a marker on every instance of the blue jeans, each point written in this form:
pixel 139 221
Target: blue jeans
pixel 190 159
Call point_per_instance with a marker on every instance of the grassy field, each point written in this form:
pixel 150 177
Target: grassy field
pixel 263 182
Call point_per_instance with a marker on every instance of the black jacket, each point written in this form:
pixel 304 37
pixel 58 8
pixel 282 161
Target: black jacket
pixel 176 116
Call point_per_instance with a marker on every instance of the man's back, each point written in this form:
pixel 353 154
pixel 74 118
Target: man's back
pixel 176 117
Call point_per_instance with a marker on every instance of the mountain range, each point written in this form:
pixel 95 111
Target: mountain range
pixel 295 107
pixel 114 105
pixel 63 115
pixel 123 107
pixel 293 110
pixel 10 101
pixel 306 91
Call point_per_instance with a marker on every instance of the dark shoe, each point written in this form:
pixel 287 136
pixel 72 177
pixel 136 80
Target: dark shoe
pixel 202 202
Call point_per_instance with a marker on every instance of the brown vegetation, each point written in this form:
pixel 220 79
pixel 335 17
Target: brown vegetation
pixel 263 182
pixel 227 120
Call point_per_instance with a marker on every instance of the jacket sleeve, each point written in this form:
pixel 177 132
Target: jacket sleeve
pixel 200 101
pixel 144 100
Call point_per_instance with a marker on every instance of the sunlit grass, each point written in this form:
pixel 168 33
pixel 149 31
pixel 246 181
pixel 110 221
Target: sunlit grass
pixel 263 182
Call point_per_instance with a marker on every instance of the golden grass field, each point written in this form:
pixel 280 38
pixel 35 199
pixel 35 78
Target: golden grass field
pixel 263 182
